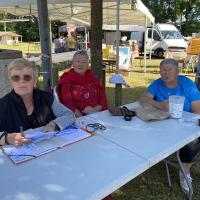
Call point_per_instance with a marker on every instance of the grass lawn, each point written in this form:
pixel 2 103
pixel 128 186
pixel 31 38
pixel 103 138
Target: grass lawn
pixel 32 47
pixel 151 185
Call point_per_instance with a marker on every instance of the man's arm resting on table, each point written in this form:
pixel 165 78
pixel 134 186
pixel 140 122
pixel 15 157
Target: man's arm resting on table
pixel 195 106
pixel 146 99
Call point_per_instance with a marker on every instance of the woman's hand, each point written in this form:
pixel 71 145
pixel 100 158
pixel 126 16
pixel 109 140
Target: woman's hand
pixel 17 139
pixel 78 113
pixel 89 109
pixel 51 126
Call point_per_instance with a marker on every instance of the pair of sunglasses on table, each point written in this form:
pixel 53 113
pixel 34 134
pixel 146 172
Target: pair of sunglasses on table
pixel 17 78
pixel 94 127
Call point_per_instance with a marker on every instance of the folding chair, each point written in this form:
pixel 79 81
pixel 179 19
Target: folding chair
pixel 190 62
pixel 178 164
pixel 55 94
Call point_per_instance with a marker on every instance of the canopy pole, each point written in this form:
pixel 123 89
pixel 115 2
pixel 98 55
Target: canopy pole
pixel 152 33
pixel 117 36
pixel 86 47
pixel 145 46
pixel 118 86
pixel 45 42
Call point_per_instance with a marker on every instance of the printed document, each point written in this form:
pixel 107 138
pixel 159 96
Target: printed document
pixel 44 142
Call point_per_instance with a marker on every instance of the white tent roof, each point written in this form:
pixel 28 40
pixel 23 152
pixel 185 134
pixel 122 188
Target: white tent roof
pixel 79 10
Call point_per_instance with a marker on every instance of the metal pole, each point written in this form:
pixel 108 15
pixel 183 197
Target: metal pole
pixel 145 45
pixel 86 47
pixel 4 26
pixel 45 43
pixel 117 36
pixel 118 87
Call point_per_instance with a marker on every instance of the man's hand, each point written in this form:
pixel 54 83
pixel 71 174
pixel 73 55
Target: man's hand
pixel 146 99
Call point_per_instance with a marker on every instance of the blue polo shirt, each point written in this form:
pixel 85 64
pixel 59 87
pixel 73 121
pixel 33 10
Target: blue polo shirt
pixel 186 87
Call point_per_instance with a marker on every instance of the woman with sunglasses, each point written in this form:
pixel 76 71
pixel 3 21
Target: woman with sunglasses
pixel 27 107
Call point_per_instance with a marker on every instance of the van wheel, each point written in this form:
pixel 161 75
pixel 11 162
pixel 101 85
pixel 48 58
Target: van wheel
pixel 160 53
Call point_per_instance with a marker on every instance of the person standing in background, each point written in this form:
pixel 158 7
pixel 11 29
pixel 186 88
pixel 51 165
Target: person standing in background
pixel 65 42
pixel 71 41
pixel 58 44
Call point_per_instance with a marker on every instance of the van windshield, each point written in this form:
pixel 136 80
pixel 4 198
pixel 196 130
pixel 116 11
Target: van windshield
pixel 171 35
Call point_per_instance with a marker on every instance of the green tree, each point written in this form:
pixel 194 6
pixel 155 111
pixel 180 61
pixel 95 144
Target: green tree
pixel 10 26
pixel 55 26
pixel 29 30
pixel 183 13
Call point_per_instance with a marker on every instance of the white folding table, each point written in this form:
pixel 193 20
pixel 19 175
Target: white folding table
pixel 153 141
pixel 88 170
pixel 95 167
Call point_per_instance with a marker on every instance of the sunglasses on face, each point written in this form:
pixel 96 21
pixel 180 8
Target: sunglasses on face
pixel 17 78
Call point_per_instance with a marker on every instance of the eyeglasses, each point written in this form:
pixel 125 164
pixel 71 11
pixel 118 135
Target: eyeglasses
pixel 94 127
pixel 17 78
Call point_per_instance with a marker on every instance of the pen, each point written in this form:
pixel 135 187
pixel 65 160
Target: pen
pixel 21 131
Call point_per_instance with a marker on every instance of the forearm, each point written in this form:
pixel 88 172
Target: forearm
pixel 64 116
pixel 97 108
pixel 147 100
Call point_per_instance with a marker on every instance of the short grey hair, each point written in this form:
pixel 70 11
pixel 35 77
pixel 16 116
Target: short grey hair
pixel 81 53
pixel 21 63
pixel 169 61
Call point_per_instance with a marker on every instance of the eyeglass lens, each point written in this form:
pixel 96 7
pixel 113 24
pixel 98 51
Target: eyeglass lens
pixel 17 78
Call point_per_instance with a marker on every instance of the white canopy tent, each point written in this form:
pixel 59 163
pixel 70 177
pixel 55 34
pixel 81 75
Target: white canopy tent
pixel 131 11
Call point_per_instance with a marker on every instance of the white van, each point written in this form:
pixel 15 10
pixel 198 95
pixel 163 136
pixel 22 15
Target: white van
pixel 165 36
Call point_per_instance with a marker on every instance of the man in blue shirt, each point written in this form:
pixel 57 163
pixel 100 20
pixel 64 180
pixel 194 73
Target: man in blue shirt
pixel 157 95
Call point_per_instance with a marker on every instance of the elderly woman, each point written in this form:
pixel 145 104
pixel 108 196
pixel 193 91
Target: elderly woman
pixel 27 107
pixel 79 89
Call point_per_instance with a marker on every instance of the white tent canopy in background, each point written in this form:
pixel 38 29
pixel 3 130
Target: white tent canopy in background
pixel 79 10
pixel 132 12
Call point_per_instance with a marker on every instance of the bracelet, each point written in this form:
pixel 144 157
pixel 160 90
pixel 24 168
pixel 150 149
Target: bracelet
pixel 4 134
pixel 6 138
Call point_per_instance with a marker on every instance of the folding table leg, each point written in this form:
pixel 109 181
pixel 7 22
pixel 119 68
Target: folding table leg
pixel 168 175
pixel 187 181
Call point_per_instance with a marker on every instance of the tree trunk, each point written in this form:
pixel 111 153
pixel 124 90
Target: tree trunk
pixel 96 37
